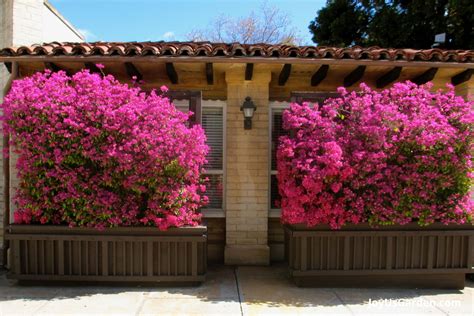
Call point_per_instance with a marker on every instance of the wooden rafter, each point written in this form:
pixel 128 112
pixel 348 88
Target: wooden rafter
pixel 249 71
pixel 462 77
pixel 8 65
pixel 354 76
pixel 389 77
pixel 52 66
pixel 93 68
pixel 209 73
pixel 319 75
pixel 132 71
pixel 171 72
pixel 426 76
pixel 284 74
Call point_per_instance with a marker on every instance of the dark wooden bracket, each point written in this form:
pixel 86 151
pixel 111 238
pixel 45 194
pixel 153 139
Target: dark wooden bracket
pixel 284 74
pixel 354 76
pixel 171 72
pixel 389 77
pixel 319 75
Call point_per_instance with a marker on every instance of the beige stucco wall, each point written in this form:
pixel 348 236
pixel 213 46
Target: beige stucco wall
pixel 26 22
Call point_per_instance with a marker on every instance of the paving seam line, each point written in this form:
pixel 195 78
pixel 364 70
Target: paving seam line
pixel 239 293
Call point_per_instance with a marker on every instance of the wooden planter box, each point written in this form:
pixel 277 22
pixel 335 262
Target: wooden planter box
pixel 125 254
pixel 437 256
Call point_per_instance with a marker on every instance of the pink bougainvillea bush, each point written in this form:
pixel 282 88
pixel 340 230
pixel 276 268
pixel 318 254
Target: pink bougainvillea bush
pixel 94 152
pixel 392 157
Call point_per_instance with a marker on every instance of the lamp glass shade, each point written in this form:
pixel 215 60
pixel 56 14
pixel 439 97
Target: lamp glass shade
pixel 248 112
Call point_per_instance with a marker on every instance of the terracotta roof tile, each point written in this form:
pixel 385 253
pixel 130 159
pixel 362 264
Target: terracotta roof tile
pixel 208 49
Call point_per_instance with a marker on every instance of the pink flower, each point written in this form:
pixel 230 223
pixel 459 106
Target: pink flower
pixel 94 152
pixel 400 155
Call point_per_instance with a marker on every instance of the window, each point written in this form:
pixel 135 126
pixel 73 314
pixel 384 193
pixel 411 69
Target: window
pixel 276 131
pixel 212 119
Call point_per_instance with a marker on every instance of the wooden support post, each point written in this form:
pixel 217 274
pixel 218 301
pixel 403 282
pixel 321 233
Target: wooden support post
pixel 319 75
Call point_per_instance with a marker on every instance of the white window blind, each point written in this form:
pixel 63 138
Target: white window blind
pixel 276 131
pixel 213 125
pixel 212 121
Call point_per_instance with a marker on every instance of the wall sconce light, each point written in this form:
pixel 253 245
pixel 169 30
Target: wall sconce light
pixel 248 108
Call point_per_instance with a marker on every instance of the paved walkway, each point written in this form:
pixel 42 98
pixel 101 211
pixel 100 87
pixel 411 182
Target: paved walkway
pixel 227 292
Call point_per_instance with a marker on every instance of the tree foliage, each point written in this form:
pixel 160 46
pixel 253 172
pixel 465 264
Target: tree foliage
pixel 396 23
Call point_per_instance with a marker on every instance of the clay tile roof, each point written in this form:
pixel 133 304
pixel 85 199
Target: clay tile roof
pixel 208 49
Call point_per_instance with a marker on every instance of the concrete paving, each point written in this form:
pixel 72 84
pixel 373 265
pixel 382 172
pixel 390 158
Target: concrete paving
pixel 231 291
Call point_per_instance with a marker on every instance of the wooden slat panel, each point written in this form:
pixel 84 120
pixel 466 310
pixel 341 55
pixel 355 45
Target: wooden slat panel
pixel 194 258
pixel 149 254
pixel 346 252
pixel 76 259
pixel 388 264
pixel 304 253
pixel 105 256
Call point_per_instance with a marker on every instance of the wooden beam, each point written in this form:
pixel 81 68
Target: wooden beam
pixel 8 65
pixel 354 76
pixel 462 77
pixel 284 74
pixel 426 76
pixel 389 77
pixel 209 73
pixel 240 60
pixel 52 66
pixel 93 68
pixel 171 72
pixel 132 71
pixel 248 71
pixel 319 75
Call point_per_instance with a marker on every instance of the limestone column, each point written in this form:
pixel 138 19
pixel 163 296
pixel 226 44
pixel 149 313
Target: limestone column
pixel 247 183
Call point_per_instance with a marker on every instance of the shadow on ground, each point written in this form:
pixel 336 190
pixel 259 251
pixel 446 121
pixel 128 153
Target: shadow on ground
pixel 242 290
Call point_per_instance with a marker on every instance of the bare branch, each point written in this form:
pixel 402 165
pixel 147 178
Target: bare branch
pixel 268 25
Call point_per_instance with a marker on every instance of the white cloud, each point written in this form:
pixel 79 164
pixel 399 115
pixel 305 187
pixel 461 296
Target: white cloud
pixel 88 35
pixel 168 36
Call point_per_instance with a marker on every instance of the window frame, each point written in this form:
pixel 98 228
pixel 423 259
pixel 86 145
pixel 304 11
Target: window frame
pixel 196 104
pixel 278 106
pixel 296 96
pixel 218 212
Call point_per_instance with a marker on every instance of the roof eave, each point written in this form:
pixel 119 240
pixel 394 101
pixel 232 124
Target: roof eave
pixel 227 59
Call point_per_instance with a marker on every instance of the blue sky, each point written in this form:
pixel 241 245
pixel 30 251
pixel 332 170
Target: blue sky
pixel 144 20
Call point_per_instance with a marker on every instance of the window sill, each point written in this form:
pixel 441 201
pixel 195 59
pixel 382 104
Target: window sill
pixel 274 213
pixel 213 213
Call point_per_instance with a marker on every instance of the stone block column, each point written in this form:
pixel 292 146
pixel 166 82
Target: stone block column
pixel 247 166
